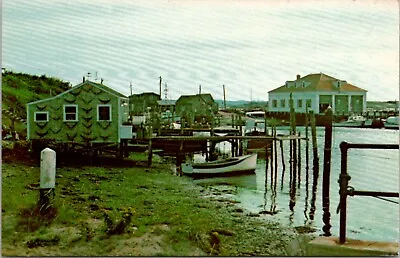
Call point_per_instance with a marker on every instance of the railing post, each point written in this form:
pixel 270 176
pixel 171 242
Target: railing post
pixel 327 172
pixel 343 181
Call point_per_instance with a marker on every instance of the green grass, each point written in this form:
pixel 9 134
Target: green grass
pixel 164 206
pixel 170 217
pixel 18 89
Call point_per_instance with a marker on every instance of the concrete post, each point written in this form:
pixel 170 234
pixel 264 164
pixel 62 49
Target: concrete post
pixel 47 178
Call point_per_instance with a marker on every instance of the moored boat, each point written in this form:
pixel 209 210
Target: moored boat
pixel 256 127
pixel 225 167
pixel 392 122
pixel 352 121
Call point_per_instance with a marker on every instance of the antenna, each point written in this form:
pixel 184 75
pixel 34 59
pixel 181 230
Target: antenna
pixel 95 78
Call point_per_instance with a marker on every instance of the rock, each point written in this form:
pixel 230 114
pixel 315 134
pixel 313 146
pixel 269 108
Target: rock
pixel 253 215
pixel 93 198
pixel 59 176
pixel 94 207
pixel 238 210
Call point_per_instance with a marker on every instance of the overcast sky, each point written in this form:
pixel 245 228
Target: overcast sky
pixel 249 46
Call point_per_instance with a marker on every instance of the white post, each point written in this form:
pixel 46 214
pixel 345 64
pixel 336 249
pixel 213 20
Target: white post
pixel 47 178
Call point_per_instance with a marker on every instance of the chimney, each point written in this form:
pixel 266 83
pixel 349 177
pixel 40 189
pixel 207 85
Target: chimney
pixel 298 77
pixel 83 79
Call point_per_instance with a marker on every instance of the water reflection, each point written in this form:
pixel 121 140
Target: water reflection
pixel 284 205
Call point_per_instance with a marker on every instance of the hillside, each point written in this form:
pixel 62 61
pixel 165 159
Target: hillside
pixel 18 89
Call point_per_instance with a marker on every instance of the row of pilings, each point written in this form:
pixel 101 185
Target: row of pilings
pixel 295 166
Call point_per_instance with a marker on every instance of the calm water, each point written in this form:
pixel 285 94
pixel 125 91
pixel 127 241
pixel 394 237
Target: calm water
pixel 368 218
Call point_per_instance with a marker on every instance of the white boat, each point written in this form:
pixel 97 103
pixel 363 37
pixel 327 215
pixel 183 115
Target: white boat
pixel 392 122
pixel 352 121
pixel 225 167
pixel 255 114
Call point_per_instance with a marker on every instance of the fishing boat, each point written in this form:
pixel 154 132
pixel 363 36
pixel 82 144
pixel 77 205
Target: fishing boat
pixel 392 122
pixel 256 127
pixel 225 167
pixel 352 121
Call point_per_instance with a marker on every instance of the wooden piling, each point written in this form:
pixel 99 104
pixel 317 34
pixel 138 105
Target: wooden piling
pixel 276 154
pixel 283 162
pixel 272 163
pixel 314 139
pixel 266 166
pixel 315 164
pixel 298 160
pixel 326 173
pixel 306 129
pixel 150 148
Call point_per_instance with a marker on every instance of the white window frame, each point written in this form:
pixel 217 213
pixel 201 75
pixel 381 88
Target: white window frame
pixel 98 112
pixel 65 113
pixel 41 112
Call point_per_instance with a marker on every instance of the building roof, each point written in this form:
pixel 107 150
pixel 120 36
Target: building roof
pixel 317 82
pixel 166 102
pixel 206 98
pixel 145 94
pixel 98 85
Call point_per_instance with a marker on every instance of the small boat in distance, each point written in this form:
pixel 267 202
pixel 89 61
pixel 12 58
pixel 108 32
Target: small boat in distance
pixel 392 122
pixel 352 121
pixel 256 114
pixel 225 167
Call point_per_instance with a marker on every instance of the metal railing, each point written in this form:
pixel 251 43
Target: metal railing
pixel 344 179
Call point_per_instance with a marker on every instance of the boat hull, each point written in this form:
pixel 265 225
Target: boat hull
pixel 233 166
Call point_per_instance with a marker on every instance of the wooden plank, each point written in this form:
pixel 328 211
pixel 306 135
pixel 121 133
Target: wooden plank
pixel 224 138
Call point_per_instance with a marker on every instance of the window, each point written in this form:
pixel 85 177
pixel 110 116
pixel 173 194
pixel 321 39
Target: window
pixel 104 113
pixel 283 103
pixel 41 116
pixel 299 103
pixel 71 113
pixel 274 103
pixel 308 103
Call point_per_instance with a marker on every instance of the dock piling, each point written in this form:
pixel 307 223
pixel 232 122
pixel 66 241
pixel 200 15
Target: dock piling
pixel 327 171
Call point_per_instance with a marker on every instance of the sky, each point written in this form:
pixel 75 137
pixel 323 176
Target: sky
pixel 251 47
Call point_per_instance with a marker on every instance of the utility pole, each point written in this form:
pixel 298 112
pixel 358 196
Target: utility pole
pixel 160 86
pixel 223 88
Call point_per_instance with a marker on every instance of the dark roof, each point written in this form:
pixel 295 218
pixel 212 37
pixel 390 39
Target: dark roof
pixel 144 94
pixel 205 97
pixel 317 82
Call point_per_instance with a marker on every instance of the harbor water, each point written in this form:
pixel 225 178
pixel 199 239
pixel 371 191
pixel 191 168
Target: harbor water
pixel 368 218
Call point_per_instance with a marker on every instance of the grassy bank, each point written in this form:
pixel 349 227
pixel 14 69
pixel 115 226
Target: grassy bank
pixel 124 211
